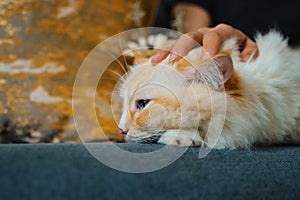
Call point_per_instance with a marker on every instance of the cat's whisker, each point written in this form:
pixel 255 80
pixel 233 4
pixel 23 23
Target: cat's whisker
pixel 124 58
pixel 146 138
pixel 251 57
pixel 126 68
pixel 111 79
pixel 116 73
pixel 118 61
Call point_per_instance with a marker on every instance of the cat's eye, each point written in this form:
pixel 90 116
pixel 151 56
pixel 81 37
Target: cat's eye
pixel 142 103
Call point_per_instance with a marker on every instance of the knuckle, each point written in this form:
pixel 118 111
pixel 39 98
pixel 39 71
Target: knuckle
pixel 223 26
pixel 212 34
pixel 189 35
pixel 252 44
pixel 203 29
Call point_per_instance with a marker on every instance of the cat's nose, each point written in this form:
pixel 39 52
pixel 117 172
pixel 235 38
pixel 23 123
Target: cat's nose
pixel 123 132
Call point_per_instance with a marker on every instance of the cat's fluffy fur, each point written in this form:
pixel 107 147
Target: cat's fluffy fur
pixel 261 104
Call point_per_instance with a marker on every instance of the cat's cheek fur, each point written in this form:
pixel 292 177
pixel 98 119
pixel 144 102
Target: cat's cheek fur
pixel 134 133
pixel 151 117
pixel 163 113
pixel 182 138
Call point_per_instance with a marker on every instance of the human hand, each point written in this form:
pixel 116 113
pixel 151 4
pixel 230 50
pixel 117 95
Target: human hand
pixel 211 40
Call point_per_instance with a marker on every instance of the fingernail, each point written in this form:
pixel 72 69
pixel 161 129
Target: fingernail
pixel 155 59
pixel 247 57
pixel 156 56
pixel 172 58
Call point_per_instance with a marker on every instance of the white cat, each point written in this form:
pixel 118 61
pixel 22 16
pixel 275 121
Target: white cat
pixel 194 102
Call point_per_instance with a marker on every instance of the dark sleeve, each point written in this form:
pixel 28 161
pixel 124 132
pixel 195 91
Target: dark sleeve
pixel 164 16
pixel 206 4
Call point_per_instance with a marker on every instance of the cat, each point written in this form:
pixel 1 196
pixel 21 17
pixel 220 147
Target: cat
pixel 193 102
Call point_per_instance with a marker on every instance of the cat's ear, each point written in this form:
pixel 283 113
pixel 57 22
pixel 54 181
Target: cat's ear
pixel 214 71
pixel 225 64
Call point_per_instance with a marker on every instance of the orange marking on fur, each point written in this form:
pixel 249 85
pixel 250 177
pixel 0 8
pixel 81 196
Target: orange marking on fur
pixel 143 118
pixel 183 63
pixel 140 60
pixel 233 85
pixel 131 115
pixel 167 102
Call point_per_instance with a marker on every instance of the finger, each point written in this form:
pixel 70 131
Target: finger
pixel 248 48
pixel 159 56
pixel 184 44
pixel 162 54
pixel 211 44
pixel 250 51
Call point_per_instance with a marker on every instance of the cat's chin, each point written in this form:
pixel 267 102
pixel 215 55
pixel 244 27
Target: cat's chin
pixel 149 139
pixel 174 137
pixel 144 137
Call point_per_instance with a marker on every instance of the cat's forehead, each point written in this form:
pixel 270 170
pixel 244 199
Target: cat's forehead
pixel 160 74
pixel 152 77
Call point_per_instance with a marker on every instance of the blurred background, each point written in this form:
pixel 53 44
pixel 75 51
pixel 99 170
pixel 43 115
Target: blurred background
pixel 42 45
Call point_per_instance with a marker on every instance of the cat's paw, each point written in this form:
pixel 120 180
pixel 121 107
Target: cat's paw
pixel 181 138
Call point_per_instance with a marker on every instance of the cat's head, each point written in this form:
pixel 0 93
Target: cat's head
pixel 165 97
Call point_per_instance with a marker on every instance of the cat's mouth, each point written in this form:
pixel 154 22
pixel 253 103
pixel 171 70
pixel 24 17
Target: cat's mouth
pixel 153 138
